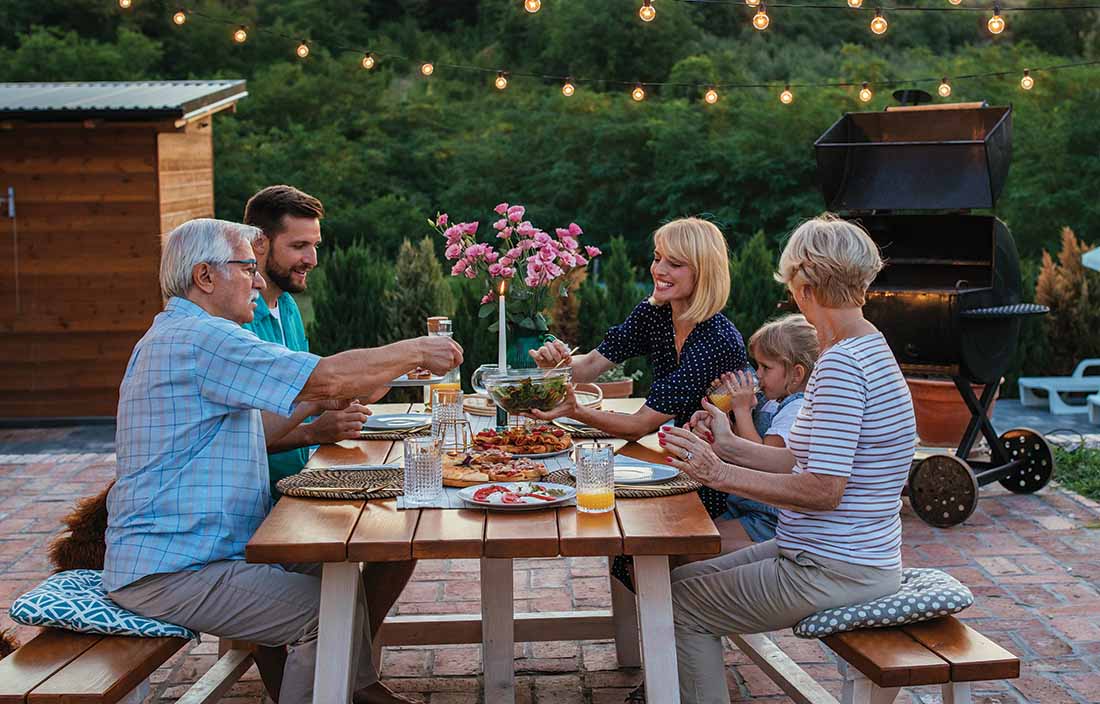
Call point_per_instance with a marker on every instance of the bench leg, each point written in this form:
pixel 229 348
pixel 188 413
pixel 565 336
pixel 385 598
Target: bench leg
pixel 497 631
pixel 138 694
pixel 624 614
pixel 860 690
pixel 337 635
pixel 956 693
pixel 1028 397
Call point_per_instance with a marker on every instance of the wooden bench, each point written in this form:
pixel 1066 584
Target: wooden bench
pixel 877 662
pixel 63 667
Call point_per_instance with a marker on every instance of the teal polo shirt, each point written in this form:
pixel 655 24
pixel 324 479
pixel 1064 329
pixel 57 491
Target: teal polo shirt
pixel 290 333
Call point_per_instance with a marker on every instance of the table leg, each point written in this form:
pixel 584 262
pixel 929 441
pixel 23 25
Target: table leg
pixel 337 633
pixel 662 683
pixel 497 630
pixel 624 614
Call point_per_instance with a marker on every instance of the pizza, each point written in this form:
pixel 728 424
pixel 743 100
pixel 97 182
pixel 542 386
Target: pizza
pixel 469 468
pixel 526 440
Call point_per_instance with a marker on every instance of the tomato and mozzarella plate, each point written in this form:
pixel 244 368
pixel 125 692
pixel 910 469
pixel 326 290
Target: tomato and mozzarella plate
pixel 513 494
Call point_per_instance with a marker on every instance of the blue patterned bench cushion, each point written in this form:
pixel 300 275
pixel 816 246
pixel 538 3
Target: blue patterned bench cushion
pixel 925 594
pixel 75 600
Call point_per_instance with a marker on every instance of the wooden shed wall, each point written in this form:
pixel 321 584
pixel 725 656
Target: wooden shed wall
pixel 91 210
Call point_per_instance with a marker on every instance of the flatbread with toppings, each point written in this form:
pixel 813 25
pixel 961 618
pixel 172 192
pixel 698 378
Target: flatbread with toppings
pixel 527 440
pixel 469 468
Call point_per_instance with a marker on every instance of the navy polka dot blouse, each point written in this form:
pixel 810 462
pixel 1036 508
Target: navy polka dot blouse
pixel 713 348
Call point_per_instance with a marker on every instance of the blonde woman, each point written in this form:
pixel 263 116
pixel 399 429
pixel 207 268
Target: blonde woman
pixel 838 481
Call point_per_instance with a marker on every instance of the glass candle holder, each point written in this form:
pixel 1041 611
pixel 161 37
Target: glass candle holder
pixel 595 477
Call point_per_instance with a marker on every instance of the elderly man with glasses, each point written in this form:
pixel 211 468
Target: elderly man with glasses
pixel 199 396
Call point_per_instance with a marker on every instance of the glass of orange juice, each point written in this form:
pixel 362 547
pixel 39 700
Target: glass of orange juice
pixel 719 395
pixel 595 476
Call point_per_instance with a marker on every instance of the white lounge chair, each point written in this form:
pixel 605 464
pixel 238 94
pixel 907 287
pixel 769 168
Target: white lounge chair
pixel 1093 403
pixel 1055 386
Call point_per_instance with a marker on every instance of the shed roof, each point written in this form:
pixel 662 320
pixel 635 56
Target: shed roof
pixel 125 100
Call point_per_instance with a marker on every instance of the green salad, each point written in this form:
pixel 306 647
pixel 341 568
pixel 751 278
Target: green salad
pixel 540 394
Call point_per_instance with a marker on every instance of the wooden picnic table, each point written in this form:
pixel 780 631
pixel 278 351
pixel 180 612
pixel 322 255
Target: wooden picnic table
pixel 341 534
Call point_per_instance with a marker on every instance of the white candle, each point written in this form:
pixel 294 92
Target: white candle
pixel 502 336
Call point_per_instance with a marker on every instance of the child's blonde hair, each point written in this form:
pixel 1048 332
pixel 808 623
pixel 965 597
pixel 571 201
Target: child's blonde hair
pixel 790 340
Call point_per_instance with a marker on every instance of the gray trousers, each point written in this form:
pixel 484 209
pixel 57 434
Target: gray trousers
pixel 270 605
pixel 755 590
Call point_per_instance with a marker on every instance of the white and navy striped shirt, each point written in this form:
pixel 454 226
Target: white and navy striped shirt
pixel 857 422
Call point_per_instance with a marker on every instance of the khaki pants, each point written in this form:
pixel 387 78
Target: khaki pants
pixel 755 590
pixel 270 605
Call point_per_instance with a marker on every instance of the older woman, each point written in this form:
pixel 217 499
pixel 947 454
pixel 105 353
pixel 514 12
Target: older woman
pixel 838 483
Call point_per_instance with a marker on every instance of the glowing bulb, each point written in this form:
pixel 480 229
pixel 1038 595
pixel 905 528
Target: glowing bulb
pixel 638 93
pixel 647 12
pixel 241 35
pixel 945 88
pixel 532 6
pixel 368 61
pixel 1027 82
pixel 752 3
pixel 567 88
pixel 426 68
pixel 761 20
pixel 180 17
pixel 955 2
pixel 786 97
pixel 303 50
pixel 501 82
pixel 996 23
pixel 855 4
pixel 865 93
pixel 711 96
pixel 125 4
pixel 879 25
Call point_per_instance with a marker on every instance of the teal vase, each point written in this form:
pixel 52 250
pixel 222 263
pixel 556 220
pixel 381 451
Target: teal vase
pixel 520 342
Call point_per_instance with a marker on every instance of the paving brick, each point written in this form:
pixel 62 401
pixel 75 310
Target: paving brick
pixel 460 660
pixel 405 663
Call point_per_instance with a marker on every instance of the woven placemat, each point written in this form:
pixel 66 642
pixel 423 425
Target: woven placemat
pixel 344 484
pixel 681 484
pixel 392 434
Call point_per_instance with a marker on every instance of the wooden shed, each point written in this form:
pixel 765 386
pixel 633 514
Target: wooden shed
pixel 92 175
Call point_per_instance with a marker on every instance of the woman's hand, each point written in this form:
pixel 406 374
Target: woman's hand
pixel 692 455
pixel 566 408
pixel 741 388
pixel 550 354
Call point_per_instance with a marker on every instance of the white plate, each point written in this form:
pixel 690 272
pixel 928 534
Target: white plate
pixel 636 472
pixel 397 421
pixel 404 380
pixel 568 493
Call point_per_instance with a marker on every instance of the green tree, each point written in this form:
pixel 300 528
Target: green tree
pixel 592 318
pixel 754 292
pixel 621 280
pixel 421 290
pixel 479 346
pixel 349 294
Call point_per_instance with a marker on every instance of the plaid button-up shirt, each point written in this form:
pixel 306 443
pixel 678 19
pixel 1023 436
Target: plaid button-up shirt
pixel 192 478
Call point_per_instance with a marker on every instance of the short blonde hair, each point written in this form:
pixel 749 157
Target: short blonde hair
pixel 789 340
pixel 700 245
pixel 838 259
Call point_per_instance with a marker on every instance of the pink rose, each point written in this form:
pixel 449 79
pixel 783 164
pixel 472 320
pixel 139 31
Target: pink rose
pixel 579 260
pixel 515 213
pixel 561 232
pixel 487 298
pixel 575 229
pixel 507 272
pixel 526 230
pixel 513 253
pixel 567 259
pixel 441 220
pixel 454 251
pixel 592 251
pixel 469 228
pixel 491 256
pixel 453 234
pixel 501 209
pixel 471 274
pixel 569 243
pixel 500 224
pixel 505 233
pixel 459 267
pixel 494 270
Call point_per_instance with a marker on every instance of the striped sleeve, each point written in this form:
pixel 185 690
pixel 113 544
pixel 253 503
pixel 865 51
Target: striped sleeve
pixel 840 396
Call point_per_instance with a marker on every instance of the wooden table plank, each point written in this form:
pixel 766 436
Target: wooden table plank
pixel 39 658
pixel 588 533
pixel 447 533
pixel 106 671
pixel 889 657
pixel 357 451
pixel 521 534
pixel 305 530
pixel 670 525
pixel 972 656
pixel 383 534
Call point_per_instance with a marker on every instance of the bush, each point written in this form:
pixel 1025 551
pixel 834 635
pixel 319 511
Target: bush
pixel 1079 470
pixel 621 280
pixel 1072 293
pixel 1033 349
pixel 421 290
pixel 479 346
pixel 592 315
pixel 349 294
pixel 754 292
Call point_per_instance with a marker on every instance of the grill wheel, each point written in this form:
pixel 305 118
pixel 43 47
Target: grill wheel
pixel 943 490
pixel 1034 448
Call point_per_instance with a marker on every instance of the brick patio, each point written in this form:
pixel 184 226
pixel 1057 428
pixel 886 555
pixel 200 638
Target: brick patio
pixel 1032 561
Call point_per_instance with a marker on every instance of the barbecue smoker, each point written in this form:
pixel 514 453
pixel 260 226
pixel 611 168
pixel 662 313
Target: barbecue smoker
pixel 948 300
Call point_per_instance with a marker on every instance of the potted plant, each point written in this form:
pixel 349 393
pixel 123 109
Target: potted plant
pixel 942 415
pixel 616 383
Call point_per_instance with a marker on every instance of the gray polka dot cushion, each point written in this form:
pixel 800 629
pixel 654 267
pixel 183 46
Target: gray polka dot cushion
pixel 925 594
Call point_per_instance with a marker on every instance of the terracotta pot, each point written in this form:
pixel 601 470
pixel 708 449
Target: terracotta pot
pixel 617 389
pixel 942 415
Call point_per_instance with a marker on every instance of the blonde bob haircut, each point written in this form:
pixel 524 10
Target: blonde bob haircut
pixel 789 340
pixel 700 245
pixel 838 259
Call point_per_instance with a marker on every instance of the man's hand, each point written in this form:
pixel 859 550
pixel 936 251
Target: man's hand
pixel 335 425
pixel 439 354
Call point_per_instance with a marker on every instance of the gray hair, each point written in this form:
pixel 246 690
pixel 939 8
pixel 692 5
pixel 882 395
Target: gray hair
pixel 204 240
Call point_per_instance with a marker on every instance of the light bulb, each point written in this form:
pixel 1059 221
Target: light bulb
pixel 865 93
pixel 368 61
pixel 996 23
pixel 786 97
pixel 955 2
pixel 879 25
pixel 647 12
pixel 125 4
pixel 855 4
pixel 945 88
pixel 711 96
pixel 567 88
pixel 501 82
pixel 303 50
pixel 532 6
pixel 752 3
pixel 761 20
pixel 241 35
pixel 1027 82
pixel 426 68
pixel 180 17
pixel 638 93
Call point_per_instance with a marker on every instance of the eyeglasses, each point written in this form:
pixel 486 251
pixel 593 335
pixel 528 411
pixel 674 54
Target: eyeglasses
pixel 250 265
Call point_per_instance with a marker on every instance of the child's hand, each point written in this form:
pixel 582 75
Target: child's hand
pixel 741 389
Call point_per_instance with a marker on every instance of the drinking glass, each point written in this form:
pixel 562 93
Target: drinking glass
pixel 423 471
pixel 446 409
pixel 719 395
pixel 595 477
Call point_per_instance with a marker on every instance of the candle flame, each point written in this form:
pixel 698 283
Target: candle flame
pixel 502 287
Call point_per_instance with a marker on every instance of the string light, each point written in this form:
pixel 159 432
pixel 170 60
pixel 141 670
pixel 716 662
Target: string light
pixel 647 12
pixel 752 3
pixel 303 50
pixel 241 35
pixel 125 4
pixel 711 96
pixel 865 93
pixel 567 88
pixel 638 93
pixel 786 97
pixel 532 6
pixel 426 68
pixel 501 82
pixel 955 2
pixel 945 88
pixel 180 17
pixel 855 4
pixel 368 61
pixel 879 25
pixel 996 23
pixel 761 20
pixel 1027 82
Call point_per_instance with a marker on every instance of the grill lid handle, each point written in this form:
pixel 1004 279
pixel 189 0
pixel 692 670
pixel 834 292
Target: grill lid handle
pixel 1016 310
